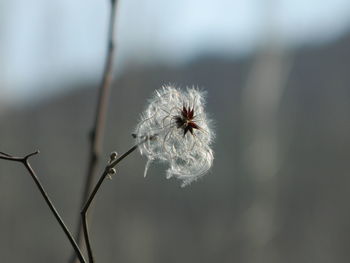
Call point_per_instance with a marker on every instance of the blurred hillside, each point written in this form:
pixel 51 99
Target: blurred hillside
pixel 153 219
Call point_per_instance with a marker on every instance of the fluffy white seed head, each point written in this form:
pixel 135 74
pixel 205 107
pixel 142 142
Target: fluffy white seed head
pixel 186 150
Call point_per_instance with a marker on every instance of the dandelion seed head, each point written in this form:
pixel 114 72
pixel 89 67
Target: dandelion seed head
pixel 168 117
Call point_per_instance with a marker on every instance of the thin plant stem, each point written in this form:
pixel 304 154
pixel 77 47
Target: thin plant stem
pixel 97 132
pixel 25 161
pixel 85 209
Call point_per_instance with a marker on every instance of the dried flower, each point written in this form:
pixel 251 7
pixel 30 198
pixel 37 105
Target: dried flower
pixel 179 133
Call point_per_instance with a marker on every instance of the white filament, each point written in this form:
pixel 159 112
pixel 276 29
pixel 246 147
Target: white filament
pixel 189 156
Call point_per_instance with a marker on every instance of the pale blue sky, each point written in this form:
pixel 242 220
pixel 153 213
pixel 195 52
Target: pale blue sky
pixel 45 44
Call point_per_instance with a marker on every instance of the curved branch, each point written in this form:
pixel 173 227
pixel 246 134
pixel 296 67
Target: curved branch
pixel 85 209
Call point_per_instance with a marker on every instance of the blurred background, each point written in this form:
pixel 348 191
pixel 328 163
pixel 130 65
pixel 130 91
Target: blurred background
pixel 277 78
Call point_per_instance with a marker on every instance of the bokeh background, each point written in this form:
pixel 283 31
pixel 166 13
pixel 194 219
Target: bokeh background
pixel 277 76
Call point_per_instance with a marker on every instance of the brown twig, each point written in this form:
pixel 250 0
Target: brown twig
pixel 97 132
pixel 24 160
pixel 84 211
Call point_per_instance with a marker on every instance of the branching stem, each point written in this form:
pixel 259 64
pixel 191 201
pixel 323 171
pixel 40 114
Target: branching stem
pixel 93 194
pixel 25 161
